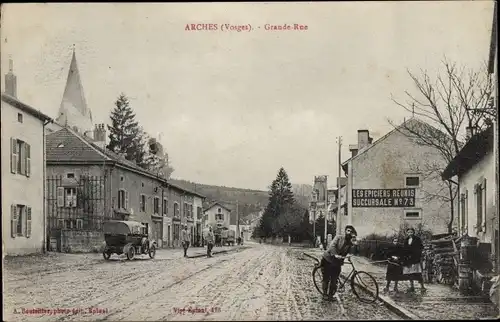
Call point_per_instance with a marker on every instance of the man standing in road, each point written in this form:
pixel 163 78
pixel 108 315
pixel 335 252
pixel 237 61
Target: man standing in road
pixel 209 239
pixel 185 238
pixel 333 259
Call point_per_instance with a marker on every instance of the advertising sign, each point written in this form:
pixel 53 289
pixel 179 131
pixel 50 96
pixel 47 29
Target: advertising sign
pixel 383 198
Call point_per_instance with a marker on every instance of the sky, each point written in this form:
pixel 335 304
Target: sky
pixel 233 107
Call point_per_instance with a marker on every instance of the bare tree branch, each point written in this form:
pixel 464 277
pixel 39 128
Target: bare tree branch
pixel 456 98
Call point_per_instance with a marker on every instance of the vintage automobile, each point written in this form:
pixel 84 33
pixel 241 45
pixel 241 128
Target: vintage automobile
pixel 127 237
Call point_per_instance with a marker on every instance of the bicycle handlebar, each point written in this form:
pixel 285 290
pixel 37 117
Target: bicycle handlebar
pixel 345 259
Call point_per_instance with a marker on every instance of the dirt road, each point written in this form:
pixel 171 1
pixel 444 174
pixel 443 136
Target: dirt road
pixel 261 282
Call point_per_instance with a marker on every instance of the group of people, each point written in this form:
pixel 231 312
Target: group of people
pixel 186 239
pixel 404 263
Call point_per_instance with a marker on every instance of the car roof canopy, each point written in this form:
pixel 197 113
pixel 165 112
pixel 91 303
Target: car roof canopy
pixel 122 227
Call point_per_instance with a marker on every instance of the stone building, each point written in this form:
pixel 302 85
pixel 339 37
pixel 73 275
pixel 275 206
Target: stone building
pixel 475 168
pixel 23 171
pixel 88 184
pixel 388 184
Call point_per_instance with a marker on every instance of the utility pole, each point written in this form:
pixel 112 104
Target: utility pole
pixel 326 211
pixel 237 220
pixel 337 224
pixel 314 226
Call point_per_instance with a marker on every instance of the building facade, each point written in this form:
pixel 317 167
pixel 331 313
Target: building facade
pixel 388 185
pixel 217 215
pixel 23 171
pixel 88 184
pixel 475 168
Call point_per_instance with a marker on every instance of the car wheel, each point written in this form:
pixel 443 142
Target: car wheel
pixel 106 255
pixel 152 251
pixel 130 253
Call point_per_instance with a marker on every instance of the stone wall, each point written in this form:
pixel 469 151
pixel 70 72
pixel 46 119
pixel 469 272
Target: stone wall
pixel 75 241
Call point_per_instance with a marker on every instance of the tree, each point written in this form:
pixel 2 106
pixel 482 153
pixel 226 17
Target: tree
pixel 280 197
pixel 289 222
pixel 157 160
pixel 125 135
pixel 320 226
pixel 455 104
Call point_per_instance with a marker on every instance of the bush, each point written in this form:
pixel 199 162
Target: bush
pixel 374 245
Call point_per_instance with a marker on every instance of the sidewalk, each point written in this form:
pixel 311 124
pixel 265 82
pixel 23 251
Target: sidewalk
pixel 439 302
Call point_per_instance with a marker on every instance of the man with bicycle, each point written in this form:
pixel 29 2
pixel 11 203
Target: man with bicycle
pixel 333 259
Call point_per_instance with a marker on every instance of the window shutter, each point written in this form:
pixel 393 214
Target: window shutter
pixel 28 222
pixel 21 155
pixel 28 159
pixel 13 220
pixel 126 199
pixel 60 196
pixel 13 154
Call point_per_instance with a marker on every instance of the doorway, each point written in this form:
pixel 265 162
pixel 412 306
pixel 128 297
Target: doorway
pixel 169 237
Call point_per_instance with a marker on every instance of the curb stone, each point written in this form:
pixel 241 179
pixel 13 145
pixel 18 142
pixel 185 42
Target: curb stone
pixel 391 305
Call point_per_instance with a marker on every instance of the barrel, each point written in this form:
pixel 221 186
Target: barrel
pixel 467 248
pixel 464 277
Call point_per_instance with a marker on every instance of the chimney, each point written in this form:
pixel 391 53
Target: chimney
pixel 469 132
pixel 354 150
pixel 11 80
pixel 100 136
pixel 363 139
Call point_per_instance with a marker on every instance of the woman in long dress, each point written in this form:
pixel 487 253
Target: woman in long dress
pixel 412 269
pixel 394 268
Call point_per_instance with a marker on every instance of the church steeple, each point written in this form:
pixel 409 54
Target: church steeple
pixel 73 111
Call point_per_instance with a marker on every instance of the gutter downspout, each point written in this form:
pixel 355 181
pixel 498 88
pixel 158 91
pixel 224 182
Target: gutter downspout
pixel 44 215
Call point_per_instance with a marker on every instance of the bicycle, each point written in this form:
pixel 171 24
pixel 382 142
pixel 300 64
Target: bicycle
pixel 365 292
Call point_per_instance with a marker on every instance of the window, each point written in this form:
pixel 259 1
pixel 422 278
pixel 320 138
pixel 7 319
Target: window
pixel 19 117
pixel 61 224
pixel 176 210
pixel 184 210
pixel 142 203
pixel 156 205
pixel 122 199
pixel 20 161
pixel 70 197
pixel 219 210
pixel 480 191
pixel 67 197
pixel 165 206
pixel 20 221
pixel 413 214
pixel 79 224
pixel 198 212
pixel 70 175
pixel 20 217
pixel 121 178
pixel 219 217
pixel 412 181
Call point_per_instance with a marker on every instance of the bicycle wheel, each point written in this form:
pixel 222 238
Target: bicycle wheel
pixel 317 275
pixel 364 286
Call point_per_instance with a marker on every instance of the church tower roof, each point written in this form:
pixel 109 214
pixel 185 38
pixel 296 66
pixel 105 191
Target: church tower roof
pixel 73 110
